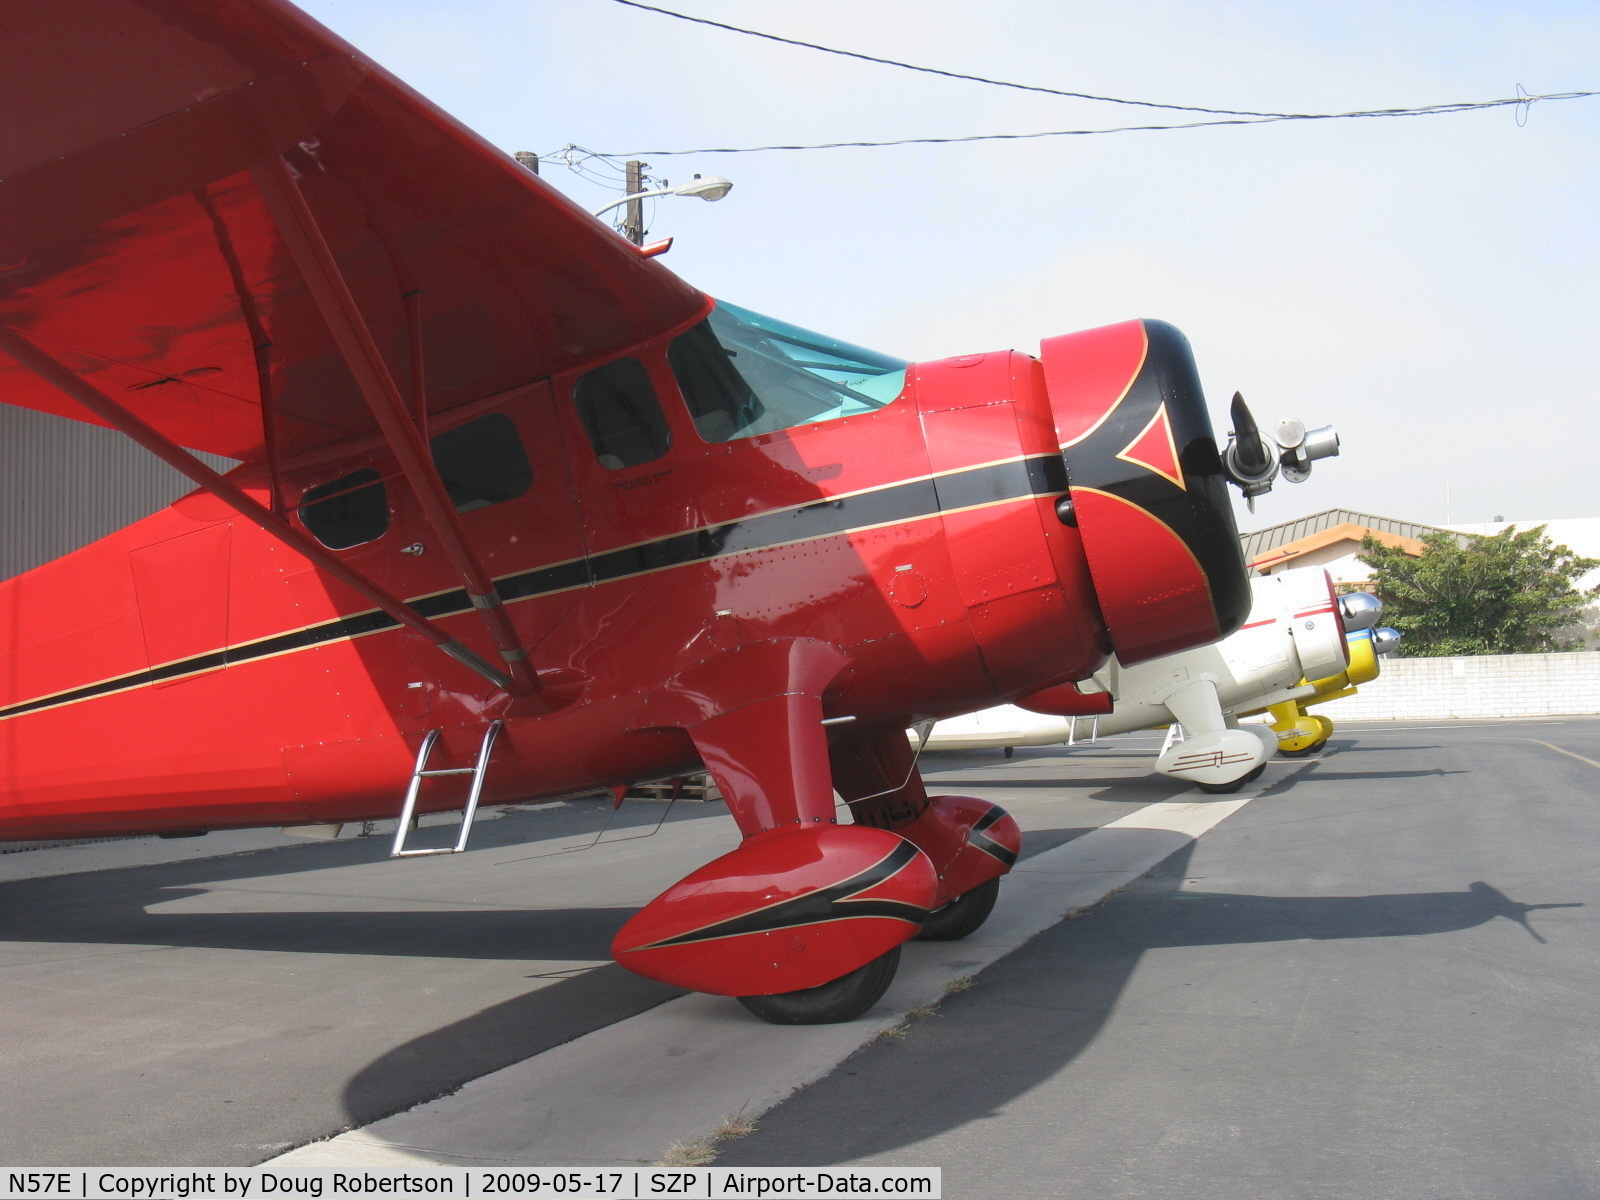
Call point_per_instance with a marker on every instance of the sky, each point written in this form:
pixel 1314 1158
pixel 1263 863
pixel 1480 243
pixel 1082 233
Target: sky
pixel 1428 285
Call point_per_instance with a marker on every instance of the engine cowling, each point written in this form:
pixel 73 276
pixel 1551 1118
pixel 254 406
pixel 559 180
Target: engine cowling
pixel 1310 604
pixel 1147 489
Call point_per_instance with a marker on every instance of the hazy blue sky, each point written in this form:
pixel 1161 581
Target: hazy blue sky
pixel 1428 284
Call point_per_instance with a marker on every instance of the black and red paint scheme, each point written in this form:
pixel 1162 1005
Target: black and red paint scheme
pixel 243 237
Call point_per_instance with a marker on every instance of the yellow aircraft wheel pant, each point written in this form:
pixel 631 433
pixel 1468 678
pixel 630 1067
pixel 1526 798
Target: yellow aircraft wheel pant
pixel 1297 733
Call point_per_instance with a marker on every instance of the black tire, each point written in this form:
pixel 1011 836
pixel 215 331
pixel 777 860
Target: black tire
pixel 842 999
pixel 1307 752
pixel 1224 789
pixel 962 916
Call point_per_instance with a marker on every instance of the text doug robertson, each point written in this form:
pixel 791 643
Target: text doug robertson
pixel 204 1183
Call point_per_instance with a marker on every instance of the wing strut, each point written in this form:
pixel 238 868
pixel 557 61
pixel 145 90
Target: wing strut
pixel 108 410
pixel 298 225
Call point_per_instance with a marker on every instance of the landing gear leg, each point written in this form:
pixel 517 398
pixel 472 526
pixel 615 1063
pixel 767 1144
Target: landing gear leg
pixel 803 921
pixel 972 842
pixel 1217 755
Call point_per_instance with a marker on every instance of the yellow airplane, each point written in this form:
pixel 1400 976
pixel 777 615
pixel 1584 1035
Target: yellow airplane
pixel 1300 733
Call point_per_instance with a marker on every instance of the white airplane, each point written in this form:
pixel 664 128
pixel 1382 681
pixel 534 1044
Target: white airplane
pixel 1293 650
pixel 1301 733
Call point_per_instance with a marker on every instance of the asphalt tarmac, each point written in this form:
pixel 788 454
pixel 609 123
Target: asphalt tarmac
pixel 1381 978
pixel 1377 978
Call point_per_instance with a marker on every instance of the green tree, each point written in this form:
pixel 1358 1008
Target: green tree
pixel 1508 593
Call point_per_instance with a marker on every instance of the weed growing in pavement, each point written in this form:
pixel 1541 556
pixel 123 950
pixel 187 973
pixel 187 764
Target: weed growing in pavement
pixel 702 1152
pixel 899 1028
pixel 699 1153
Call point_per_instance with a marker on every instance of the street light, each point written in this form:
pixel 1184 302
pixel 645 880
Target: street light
pixel 710 187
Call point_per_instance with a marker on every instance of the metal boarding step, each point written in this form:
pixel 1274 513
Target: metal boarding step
pixel 477 771
pixel 1072 730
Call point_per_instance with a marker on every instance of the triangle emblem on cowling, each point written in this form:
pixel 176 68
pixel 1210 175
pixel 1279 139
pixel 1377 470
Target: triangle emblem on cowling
pixel 1155 450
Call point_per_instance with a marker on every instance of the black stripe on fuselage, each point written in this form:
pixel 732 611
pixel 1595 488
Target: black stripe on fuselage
pixel 914 500
pixel 1040 476
pixel 300 639
pixel 826 518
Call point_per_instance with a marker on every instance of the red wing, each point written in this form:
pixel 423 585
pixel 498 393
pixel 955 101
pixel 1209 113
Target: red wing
pixel 135 246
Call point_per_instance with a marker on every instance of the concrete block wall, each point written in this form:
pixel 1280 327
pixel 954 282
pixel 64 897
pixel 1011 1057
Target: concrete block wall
pixel 1488 685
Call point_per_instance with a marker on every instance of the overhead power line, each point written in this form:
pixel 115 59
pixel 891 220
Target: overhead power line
pixel 889 62
pixel 1522 101
pixel 1427 111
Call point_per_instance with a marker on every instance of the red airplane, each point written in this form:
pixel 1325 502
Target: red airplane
pixel 518 505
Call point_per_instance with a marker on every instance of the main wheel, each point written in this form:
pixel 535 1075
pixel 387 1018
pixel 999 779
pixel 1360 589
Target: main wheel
pixel 1223 789
pixel 842 999
pixel 1304 751
pixel 961 916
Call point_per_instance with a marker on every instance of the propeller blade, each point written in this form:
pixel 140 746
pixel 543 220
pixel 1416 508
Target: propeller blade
pixel 1251 455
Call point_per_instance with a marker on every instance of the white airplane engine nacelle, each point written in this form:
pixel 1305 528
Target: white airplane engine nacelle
pixel 1309 603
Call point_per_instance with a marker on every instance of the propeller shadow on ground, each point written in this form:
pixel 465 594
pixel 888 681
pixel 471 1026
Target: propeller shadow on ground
pixel 1046 1015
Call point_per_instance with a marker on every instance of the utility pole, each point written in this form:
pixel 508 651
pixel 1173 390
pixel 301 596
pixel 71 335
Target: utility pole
pixel 633 222
pixel 528 159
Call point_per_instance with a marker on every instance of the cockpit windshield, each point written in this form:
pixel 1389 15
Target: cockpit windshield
pixel 744 374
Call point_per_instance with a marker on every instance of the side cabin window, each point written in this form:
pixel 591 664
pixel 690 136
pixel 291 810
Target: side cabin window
pixel 482 462
pixel 743 374
pixel 620 413
pixel 347 511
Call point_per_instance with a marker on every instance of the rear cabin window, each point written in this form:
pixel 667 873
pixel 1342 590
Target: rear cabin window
pixel 482 462
pixel 744 374
pixel 347 511
pixel 620 413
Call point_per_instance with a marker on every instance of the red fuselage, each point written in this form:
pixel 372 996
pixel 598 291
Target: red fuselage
pixel 190 672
